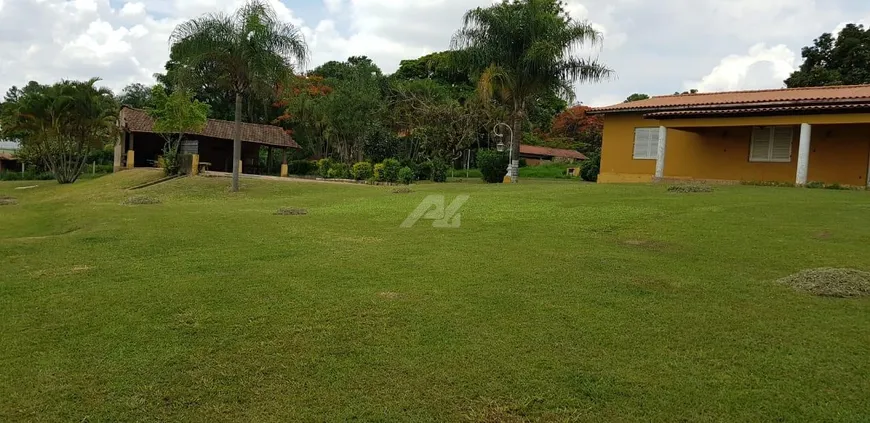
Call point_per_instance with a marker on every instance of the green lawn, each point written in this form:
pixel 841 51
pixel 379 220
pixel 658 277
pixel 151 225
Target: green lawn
pixel 554 301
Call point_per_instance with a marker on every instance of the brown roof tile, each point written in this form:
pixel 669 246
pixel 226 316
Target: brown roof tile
pixel 552 152
pixel 737 99
pixel 135 120
pixel 755 111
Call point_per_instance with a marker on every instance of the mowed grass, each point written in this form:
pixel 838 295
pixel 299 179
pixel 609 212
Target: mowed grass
pixel 554 301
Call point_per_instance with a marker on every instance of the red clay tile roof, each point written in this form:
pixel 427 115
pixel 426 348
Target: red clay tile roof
pixel 551 152
pixel 135 120
pixel 782 98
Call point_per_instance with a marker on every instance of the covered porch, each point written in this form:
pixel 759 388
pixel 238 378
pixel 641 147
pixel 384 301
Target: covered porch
pixel 831 148
pixel 140 146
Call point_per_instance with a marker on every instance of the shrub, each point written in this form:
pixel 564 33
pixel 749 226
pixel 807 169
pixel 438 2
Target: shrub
pixel 362 171
pixel 379 172
pixel 406 175
pixel 688 188
pixel 339 171
pixel 523 163
pixel 591 167
pixel 301 167
pixel 323 166
pixel 423 172
pixel 439 170
pixel 29 175
pixel 815 184
pixel 391 170
pixel 493 165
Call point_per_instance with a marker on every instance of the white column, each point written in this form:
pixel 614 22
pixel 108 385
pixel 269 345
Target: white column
pixel 803 161
pixel 660 157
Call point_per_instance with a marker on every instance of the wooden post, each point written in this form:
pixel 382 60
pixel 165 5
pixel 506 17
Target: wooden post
pixel 284 168
pixel 269 160
pixel 131 155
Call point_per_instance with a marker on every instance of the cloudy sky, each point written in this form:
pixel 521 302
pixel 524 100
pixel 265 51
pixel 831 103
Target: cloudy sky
pixel 655 46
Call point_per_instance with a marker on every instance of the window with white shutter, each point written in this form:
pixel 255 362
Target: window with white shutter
pixel 646 143
pixel 771 144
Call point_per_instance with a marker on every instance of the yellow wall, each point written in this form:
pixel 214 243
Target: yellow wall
pixel 698 150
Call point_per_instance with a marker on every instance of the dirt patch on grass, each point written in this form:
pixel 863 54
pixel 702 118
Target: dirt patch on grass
pixel 690 188
pixel 830 282
pixel 289 211
pixel 55 272
pixel 138 200
pixel 388 295
pixel 645 243
pixel 402 190
pixel 6 200
pixel 823 235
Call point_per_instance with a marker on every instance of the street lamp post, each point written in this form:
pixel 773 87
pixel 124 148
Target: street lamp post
pixel 513 168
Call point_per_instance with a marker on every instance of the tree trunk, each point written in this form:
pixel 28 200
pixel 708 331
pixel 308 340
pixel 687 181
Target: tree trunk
pixel 237 142
pixel 517 127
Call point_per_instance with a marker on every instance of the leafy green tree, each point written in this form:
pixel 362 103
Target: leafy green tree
pixel 841 61
pixel 354 109
pixel 252 51
pixel 523 49
pixel 175 115
pixel 60 124
pixel 636 97
pixel 137 96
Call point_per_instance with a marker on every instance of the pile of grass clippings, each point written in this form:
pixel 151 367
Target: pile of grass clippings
pixel 830 282
pixel 137 200
pixel 689 188
pixel 286 211
pixel 7 201
pixel 402 190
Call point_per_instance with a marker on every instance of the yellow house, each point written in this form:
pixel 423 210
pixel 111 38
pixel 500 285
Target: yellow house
pixel 790 135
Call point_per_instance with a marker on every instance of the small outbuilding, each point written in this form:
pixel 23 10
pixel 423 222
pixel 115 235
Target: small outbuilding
pixel 535 155
pixel 140 146
pixel 8 161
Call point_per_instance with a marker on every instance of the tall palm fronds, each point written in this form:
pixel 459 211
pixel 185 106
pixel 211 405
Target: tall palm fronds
pixel 523 48
pixel 253 50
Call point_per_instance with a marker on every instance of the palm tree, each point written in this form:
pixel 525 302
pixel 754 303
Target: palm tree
pixel 58 125
pixel 523 49
pixel 252 48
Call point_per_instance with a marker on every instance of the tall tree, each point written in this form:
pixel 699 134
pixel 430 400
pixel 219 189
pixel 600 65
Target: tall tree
pixel 841 61
pixel 575 129
pixel 137 96
pixel 252 51
pixel 636 97
pixel 61 124
pixel 524 48
pixel 174 116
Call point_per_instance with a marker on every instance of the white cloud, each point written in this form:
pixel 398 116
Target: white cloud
pixel 133 9
pixel 654 46
pixel 334 6
pixel 760 68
